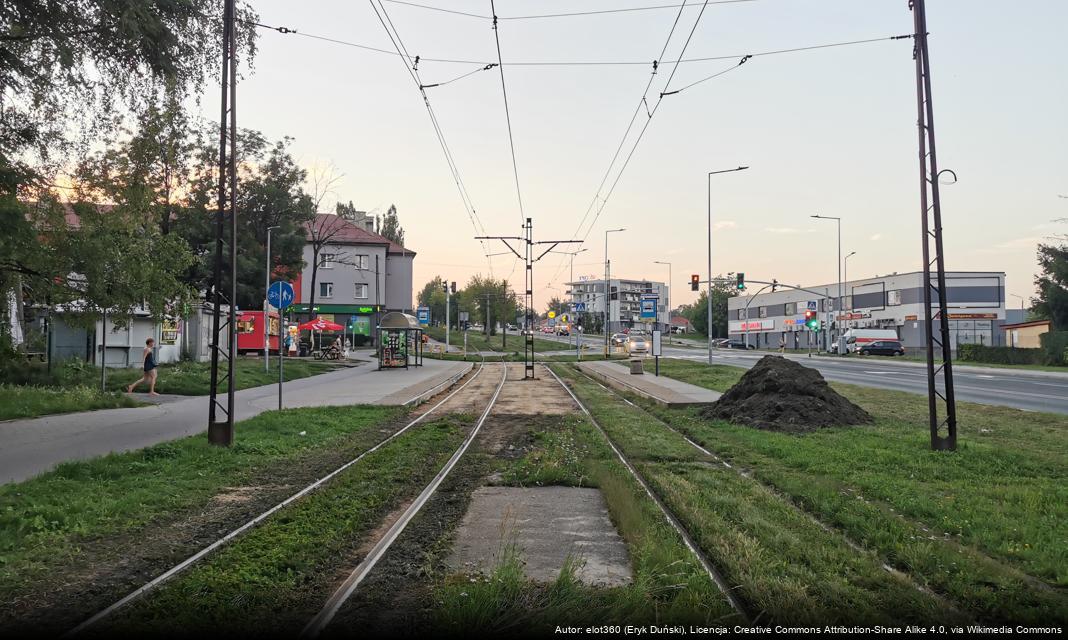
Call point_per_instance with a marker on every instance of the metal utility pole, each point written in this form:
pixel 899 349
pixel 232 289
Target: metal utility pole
pixel 708 330
pixel 838 303
pixel 528 257
pixel 845 267
pixel 267 309
pixel 447 316
pixel 931 217
pixel 608 290
pixel 221 429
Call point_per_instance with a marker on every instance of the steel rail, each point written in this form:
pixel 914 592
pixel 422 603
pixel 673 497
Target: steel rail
pixel 348 587
pixel 229 537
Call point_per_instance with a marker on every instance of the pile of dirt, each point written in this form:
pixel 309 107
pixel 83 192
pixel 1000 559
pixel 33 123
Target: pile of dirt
pixel 781 395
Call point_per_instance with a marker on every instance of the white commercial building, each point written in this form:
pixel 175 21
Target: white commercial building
pixel 975 299
pixel 624 312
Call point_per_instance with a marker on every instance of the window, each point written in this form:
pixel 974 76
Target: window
pixel 763 312
pixel 791 308
pixel 326 260
pixel 326 289
pixel 361 262
pixel 361 290
pixel 893 298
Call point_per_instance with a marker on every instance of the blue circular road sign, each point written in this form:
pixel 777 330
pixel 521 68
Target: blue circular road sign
pixel 280 295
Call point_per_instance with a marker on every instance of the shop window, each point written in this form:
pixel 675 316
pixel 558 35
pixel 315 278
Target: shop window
pixel 247 325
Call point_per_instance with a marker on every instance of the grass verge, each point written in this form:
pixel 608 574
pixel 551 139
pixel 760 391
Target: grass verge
pixel 480 342
pixel 984 525
pixel 787 568
pixel 30 402
pixel 274 578
pixel 74 521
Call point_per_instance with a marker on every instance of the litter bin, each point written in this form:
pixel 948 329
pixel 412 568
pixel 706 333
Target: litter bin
pixel 304 350
pixel 636 366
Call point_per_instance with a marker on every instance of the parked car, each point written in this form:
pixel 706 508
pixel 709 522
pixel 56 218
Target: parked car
pixel 512 327
pixel 619 339
pixel 636 343
pixel 738 344
pixel 678 329
pixel 882 348
pixel 721 343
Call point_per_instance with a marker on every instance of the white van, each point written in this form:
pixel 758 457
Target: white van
pixel 855 338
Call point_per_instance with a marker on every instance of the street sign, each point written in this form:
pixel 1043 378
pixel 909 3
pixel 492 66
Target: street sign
pixel 648 307
pixel 280 294
pixel 812 305
pixel 552 314
pixel 423 315
pixel 657 350
pixel 579 307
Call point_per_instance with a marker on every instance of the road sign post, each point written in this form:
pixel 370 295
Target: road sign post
pixel 279 295
pixel 657 350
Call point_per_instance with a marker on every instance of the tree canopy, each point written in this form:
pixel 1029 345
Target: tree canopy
pixel 1052 285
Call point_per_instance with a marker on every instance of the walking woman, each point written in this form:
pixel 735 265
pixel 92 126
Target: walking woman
pixel 148 358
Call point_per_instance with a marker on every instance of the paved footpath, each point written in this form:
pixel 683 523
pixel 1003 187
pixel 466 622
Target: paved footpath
pixel 31 447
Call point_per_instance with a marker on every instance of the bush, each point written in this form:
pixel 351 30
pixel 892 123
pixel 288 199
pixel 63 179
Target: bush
pixel 998 355
pixel 1055 347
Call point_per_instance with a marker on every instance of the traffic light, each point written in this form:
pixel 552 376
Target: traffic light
pixel 452 287
pixel 741 282
pixel 812 321
pixel 445 287
pixel 695 282
pixel 774 285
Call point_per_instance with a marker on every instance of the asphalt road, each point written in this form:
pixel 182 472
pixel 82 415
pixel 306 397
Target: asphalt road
pixel 1021 389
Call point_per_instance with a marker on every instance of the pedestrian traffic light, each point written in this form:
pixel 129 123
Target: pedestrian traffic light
pixel 812 321
pixel 741 282
pixel 695 282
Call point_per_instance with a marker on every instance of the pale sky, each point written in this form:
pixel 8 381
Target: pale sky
pixel 828 131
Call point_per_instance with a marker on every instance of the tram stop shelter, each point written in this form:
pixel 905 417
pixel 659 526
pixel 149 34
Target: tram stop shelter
pixel 400 341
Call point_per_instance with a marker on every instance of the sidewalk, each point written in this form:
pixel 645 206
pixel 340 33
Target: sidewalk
pixel 661 389
pixel 30 447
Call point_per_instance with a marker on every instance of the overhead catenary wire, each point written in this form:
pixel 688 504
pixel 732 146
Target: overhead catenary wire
pixel 465 197
pixel 508 116
pixel 567 14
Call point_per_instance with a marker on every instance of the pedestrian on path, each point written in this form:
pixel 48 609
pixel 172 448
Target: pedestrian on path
pixel 782 344
pixel 148 361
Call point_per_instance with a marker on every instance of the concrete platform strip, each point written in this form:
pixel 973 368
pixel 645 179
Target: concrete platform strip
pixel 663 390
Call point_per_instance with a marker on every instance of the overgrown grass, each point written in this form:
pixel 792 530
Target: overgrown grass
pixel 983 525
pixel 669 584
pixel 45 522
pixel 181 378
pixel 920 357
pixel 275 577
pixel 30 402
pixel 476 341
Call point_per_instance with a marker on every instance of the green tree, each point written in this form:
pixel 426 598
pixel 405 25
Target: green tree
pixel 557 305
pixel 1052 284
pixel 67 66
pixel 390 226
pixel 484 294
pixel 433 296
pixel 270 194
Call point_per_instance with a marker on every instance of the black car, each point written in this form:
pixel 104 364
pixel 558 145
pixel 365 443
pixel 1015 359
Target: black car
pixel 883 348
pixel 738 344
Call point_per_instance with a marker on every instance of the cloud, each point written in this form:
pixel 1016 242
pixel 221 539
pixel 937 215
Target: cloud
pixel 1029 243
pixel 725 224
pixel 787 230
pixel 876 237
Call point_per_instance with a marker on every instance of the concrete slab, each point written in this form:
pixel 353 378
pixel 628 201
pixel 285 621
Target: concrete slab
pixel 661 389
pixel 31 447
pixel 548 525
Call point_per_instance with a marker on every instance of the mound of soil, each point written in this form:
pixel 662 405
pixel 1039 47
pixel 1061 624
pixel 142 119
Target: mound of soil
pixel 781 395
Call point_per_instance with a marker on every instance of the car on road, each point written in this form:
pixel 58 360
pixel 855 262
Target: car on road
pixel 636 343
pixel 512 327
pixel 721 343
pixel 882 348
pixel 619 339
pixel 738 344
pixel 563 331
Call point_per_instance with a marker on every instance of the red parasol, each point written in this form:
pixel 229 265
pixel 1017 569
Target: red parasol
pixel 319 324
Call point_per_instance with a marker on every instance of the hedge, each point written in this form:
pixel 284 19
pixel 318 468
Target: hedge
pixel 999 355
pixel 1055 347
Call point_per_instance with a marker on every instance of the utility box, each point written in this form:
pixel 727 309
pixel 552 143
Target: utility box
pixel 636 367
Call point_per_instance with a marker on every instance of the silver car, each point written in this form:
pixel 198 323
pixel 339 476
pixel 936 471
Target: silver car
pixel 637 344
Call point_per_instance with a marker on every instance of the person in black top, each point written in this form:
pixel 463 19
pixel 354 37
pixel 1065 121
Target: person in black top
pixel 148 358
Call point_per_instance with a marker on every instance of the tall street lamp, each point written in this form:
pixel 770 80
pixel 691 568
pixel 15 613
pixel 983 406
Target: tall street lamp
pixel 267 307
pixel 607 287
pixel 845 265
pixel 708 330
pixel 668 296
pixel 838 303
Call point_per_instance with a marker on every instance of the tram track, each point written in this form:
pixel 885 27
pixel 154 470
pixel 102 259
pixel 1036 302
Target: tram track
pixel 238 532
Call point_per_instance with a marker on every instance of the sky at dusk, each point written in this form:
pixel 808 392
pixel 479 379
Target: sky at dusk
pixel 829 131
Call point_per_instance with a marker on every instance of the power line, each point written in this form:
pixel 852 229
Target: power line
pixel 507 115
pixel 469 73
pixel 465 197
pixel 560 15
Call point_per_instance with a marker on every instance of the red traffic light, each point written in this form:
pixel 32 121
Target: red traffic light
pixel 695 282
